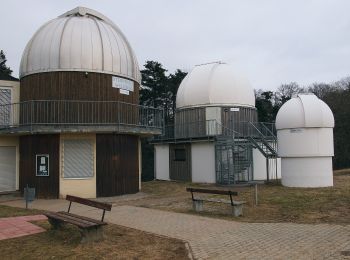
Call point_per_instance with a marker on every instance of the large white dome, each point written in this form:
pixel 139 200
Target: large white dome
pixel 214 84
pixel 80 40
pixel 305 110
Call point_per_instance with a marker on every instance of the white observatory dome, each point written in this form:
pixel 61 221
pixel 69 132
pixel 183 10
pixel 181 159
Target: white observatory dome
pixel 305 110
pixel 80 40
pixel 305 142
pixel 214 84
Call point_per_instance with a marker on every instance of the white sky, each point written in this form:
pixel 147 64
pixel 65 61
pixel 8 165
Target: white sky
pixel 271 41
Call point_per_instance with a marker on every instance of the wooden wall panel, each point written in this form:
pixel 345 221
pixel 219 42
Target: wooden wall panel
pixel 190 123
pixel 76 86
pixel 180 170
pixel 67 85
pixel 238 120
pixel 29 147
pixel 117 164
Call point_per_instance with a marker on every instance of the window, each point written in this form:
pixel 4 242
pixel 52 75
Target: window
pixel 180 155
pixel 5 111
pixel 78 159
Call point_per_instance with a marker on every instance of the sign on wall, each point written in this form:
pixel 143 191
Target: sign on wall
pixel 42 165
pixel 124 85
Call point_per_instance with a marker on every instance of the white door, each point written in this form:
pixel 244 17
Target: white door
pixel 8 168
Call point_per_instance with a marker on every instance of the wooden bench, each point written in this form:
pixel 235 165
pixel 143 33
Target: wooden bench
pixel 90 229
pixel 237 206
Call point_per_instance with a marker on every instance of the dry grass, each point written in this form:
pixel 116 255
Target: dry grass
pixel 276 203
pixel 119 243
pixel 7 211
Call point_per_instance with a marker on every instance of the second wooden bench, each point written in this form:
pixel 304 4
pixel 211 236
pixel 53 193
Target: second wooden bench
pixel 237 206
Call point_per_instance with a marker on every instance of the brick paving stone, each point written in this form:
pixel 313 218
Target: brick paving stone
pixel 211 238
pixel 19 226
pixel 221 239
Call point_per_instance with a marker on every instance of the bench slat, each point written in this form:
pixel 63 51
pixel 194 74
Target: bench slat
pixel 77 218
pixel 82 217
pixel 210 191
pixel 234 202
pixel 91 203
pixel 71 220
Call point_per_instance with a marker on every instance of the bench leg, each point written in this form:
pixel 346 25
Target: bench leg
pixel 56 224
pixel 237 210
pixel 197 205
pixel 92 234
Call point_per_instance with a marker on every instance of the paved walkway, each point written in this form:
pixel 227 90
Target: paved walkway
pixel 19 226
pixel 211 238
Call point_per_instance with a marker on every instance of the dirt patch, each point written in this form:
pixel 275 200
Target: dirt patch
pixel 119 243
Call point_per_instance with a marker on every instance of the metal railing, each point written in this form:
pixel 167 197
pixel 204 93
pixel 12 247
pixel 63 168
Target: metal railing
pixel 213 128
pixel 198 129
pixel 79 113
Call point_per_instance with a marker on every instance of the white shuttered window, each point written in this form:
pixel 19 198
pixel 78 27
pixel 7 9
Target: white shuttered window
pixel 78 158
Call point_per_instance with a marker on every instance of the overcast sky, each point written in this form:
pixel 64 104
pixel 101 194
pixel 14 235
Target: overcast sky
pixel 271 42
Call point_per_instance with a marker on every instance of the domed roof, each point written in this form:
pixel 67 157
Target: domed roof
pixel 214 84
pixel 80 40
pixel 305 110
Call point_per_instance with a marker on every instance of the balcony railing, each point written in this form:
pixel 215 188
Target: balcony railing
pixel 211 128
pixel 67 114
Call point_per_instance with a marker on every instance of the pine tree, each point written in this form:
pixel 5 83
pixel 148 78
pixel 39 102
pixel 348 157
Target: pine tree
pixel 4 70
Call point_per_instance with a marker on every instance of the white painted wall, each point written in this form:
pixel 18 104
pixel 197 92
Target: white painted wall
pixel 203 162
pixel 161 161
pixel 12 141
pixel 307 172
pixel 302 142
pixel 213 115
pixel 306 156
pixel 259 164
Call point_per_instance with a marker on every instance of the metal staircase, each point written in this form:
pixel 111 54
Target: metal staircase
pixel 234 153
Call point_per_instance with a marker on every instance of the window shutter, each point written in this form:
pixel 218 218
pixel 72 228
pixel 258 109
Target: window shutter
pixel 5 111
pixel 78 158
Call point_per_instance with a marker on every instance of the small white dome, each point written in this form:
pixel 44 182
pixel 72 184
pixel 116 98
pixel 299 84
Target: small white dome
pixel 80 40
pixel 214 84
pixel 305 110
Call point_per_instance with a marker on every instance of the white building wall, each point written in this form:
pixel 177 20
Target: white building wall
pixel 259 164
pixel 203 162
pixel 213 120
pixel 161 161
pixel 12 141
pixel 302 142
pixel 307 172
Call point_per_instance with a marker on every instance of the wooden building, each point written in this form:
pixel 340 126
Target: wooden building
pixel 76 116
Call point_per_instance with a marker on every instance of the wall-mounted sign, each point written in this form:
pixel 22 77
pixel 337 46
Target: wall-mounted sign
pixel 124 92
pixel 124 85
pixel 234 109
pixel 42 165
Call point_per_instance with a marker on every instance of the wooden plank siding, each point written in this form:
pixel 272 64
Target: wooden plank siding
pixel 117 164
pixel 29 147
pixel 190 122
pixel 76 86
pixel 237 120
pixel 180 170
pixel 67 85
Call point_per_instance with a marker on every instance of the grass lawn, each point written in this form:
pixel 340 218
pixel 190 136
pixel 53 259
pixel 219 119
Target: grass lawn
pixel 276 203
pixel 119 243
